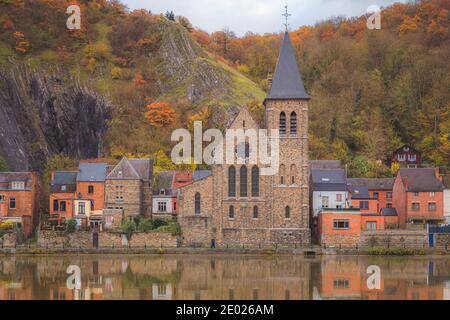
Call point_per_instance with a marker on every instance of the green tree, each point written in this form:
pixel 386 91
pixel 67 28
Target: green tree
pixel 128 228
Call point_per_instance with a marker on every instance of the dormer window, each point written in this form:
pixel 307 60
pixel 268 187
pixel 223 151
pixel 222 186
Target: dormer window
pixel 325 179
pixel 17 185
pixel 63 188
pixel 162 192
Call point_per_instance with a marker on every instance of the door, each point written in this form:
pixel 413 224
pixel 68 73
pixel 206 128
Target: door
pixel 431 240
pixel 95 239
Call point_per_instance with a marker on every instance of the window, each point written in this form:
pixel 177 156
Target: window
pixel 255 212
pixel 293 123
pixel 282 123
pixel 255 181
pixel 62 206
pixel 389 205
pixel 90 189
pixel 197 203
pixel 63 188
pixel 12 203
pixel 119 193
pixel 232 181
pixel 82 208
pixel 341 283
pixel 432 206
pixel 162 206
pixel 231 213
pixel 341 224
pixel 2 198
pixel 339 197
pixel 415 206
pixel 325 202
pixel 364 205
pixel 282 173
pixel 174 206
pixel 17 185
pixel 293 173
pixel 371 225
pixel 401 157
pixel 287 212
pixel 243 182
pixel 389 195
pixel 92 204
pixel 376 195
pixel 412 157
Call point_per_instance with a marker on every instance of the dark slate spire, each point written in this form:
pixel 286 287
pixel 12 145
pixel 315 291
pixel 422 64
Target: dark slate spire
pixel 287 82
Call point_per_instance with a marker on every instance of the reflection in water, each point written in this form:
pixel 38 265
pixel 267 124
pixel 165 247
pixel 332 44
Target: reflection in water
pixel 226 277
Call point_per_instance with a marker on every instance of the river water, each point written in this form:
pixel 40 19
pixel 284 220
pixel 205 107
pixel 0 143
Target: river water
pixel 227 277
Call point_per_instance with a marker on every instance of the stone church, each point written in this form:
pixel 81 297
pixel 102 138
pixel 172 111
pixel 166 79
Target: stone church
pixel 237 205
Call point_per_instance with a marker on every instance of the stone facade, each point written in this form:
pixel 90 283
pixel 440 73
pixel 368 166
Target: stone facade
pixel 413 239
pixel 84 239
pixel 287 189
pixel 442 241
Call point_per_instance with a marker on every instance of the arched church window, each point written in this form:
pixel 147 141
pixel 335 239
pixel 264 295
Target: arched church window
pixel 293 123
pixel 197 203
pixel 282 123
pixel 232 181
pixel 255 181
pixel 243 181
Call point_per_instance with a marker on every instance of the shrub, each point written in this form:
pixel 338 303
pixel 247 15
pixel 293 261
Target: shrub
pixel 128 227
pixel 172 228
pixel 6 226
pixel 159 223
pixel 145 225
pixel 377 251
pixel 71 225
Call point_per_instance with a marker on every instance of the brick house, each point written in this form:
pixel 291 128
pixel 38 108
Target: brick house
pixel 128 187
pixel 418 196
pixel 236 205
pixel 360 198
pixel 63 193
pixel 18 200
pixel 379 189
pixel 407 156
pixel 343 227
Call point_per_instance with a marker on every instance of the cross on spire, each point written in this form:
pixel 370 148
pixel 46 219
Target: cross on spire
pixel 286 15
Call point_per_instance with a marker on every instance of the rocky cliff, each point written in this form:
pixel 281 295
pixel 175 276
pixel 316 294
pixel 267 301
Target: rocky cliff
pixel 44 113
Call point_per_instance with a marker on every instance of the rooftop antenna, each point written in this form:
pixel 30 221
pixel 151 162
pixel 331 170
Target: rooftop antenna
pixel 286 15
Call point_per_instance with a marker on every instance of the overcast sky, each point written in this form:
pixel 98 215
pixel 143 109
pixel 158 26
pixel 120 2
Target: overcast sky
pixel 259 16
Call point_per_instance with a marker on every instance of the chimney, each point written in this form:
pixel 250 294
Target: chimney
pixel 53 175
pixel 437 173
pixel 269 81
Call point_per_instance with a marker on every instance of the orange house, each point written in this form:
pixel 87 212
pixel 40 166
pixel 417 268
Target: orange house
pixel 18 200
pixel 343 227
pixel 418 196
pixel 91 185
pixel 63 193
pixel 379 189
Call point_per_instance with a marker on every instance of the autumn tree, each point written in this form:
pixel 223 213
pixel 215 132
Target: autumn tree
pixel 159 114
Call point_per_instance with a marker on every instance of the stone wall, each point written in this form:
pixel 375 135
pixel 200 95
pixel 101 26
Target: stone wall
pixel 442 241
pixel 415 239
pixel 340 240
pixel 84 239
pixel 8 240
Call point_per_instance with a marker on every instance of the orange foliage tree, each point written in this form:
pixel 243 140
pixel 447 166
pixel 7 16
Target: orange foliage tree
pixel 22 44
pixel 159 114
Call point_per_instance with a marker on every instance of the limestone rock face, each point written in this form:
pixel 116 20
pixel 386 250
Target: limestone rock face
pixel 45 113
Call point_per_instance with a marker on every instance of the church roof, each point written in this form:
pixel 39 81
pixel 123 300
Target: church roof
pixel 287 82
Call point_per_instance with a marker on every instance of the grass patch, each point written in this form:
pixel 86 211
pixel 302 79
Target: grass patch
pixel 376 251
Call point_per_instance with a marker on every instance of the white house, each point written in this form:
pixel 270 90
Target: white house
pixel 329 189
pixel 447 205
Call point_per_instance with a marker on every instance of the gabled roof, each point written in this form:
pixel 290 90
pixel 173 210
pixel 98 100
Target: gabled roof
pixel 329 179
pixel 373 184
pixel 201 174
pixel 7 177
pixel 325 164
pixel 389 212
pixel 421 180
pixel 410 147
pixel 131 169
pixel 64 181
pixel 359 192
pixel 287 82
pixel 92 172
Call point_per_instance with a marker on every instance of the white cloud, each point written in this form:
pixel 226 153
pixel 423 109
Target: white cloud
pixel 259 16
